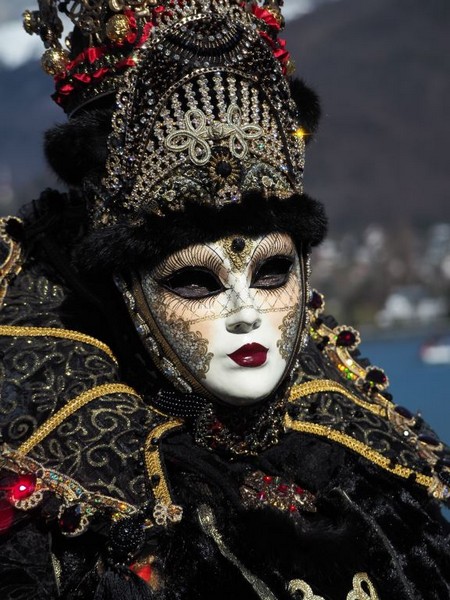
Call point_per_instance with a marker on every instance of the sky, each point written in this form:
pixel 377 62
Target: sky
pixel 16 47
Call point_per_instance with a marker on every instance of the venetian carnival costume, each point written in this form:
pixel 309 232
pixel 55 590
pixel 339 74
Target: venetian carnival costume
pixel 179 418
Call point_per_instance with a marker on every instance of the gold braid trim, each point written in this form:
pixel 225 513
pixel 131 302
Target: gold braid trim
pixel 71 407
pixel 359 447
pixel 15 331
pixel 327 385
pixel 153 462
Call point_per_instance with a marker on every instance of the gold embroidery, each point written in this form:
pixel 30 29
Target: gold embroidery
pixel 12 263
pixel 327 385
pixel 297 585
pixel 359 447
pixel 165 509
pixel 16 331
pixel 71 407
pixel 358 593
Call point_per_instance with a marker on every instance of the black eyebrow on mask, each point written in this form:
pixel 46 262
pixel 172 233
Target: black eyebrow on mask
pixel 191 257
pixel 270 245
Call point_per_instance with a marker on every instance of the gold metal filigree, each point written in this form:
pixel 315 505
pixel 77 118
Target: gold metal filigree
pixel 238 250
pixel 288 328
pixel 198 133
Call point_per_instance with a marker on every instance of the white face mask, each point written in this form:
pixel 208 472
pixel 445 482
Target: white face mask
pixel 231 312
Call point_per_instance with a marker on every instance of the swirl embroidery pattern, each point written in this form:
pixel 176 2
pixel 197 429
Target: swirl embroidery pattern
pixel 197 134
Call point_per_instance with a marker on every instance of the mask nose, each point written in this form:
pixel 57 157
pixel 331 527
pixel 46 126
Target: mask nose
pixel 244 321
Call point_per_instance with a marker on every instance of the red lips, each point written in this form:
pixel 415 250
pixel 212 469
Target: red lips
pixel 250 355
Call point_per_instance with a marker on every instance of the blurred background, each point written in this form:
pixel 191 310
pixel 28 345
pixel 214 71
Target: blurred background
pixel 380 163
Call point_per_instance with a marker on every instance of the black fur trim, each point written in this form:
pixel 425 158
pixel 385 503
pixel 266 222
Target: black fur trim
pixel 121 246
pixel 77 150
pixel 308 105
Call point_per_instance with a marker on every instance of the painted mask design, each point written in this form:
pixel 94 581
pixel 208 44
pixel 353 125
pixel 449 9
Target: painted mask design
pixel 231 312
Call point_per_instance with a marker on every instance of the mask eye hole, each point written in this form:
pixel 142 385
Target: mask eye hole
pixel 192 282
pixel 272 273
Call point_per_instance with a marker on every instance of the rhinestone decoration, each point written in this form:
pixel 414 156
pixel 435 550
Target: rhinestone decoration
pixel 338 344
pixel 78 505
pixel 260 490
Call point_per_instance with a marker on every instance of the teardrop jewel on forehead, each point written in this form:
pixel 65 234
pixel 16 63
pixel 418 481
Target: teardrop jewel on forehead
pixel 238 250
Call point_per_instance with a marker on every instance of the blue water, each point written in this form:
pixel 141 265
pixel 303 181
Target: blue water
pixel 419 387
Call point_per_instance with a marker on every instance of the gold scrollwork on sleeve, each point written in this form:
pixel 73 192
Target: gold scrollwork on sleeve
pixel 297 585
pixel 358 592
pixel 363 589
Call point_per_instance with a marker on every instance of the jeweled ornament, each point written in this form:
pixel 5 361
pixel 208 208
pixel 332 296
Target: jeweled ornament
pixel 118 27
pixel 126 538
pixel 377 377
pixel 316 302
pixel 54 61
pixel 23 488
pixel 70 518
pixel 347 337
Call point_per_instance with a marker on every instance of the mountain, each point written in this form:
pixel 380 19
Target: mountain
pixel 382 69
pixel 26 112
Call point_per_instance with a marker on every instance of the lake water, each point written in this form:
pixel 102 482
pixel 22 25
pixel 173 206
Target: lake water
pixel 419 387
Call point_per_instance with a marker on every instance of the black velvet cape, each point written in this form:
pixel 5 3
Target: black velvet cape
pixel 368 519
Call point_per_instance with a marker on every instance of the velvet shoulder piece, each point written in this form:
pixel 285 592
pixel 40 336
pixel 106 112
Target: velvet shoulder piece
pixel 77 445
pixel 343 398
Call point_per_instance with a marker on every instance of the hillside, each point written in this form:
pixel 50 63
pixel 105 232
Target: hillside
pixel 382 68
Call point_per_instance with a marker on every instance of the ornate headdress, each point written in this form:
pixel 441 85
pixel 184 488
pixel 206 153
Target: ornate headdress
pixel 204 112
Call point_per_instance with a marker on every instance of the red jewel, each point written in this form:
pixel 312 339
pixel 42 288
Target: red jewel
pixel 216 425
pixel 144 572
pixel 376 376
pixel 283 488
pixel 346 339
pixel 262 496
pixel 267 479
pixel 293 508
pixel 23 488
pixel 299 490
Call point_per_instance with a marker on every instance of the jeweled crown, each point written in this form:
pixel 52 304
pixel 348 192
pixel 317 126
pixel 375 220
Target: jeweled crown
pixel 92 58
pixel 203 113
